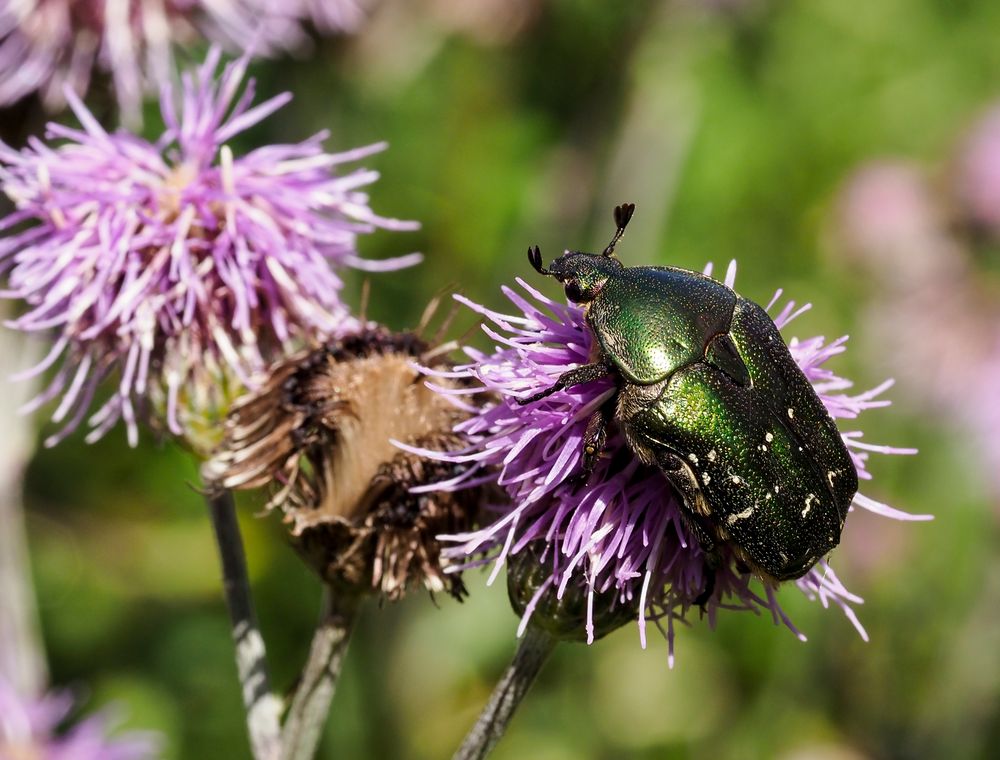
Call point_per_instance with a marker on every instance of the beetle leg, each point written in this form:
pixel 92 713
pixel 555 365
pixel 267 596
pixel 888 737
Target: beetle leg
pixel 596 436
pixel 577 376
pixel 702 599
pixel 696 509
pixel 712 558
pixel 696 517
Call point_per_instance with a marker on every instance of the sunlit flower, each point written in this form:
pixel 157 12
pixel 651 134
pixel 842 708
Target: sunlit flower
pixel 622 532
pixel 320 433
pixel 31 729
pixel 176 266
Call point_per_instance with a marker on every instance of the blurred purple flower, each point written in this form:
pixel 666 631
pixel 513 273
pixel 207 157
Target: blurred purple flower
pixel 889 217
pixel 623 530
pixel 326 15
pixel 49 46
pixel 29 731
pixel 936 320
pixel 175 264
pixel 977 173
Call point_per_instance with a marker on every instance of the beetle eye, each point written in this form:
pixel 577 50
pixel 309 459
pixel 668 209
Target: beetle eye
pixel 573 291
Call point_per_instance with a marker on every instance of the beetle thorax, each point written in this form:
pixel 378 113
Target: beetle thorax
pixel 584 274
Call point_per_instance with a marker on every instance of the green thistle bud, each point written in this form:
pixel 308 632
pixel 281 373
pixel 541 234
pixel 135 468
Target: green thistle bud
pixel 576 614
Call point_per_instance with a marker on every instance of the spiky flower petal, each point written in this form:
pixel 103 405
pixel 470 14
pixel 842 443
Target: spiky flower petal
pixel 622 531
pixel 178 266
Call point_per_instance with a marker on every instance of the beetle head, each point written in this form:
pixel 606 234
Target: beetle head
pixel 584 274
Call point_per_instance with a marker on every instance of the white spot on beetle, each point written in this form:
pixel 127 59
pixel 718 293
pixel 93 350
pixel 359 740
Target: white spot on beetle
pixel 731 520
pixel 791 413
pixel 809 502
pixel 784 557
pixel 706 478
pixel 736 479
pixel 693 458
pixel 711 455
pixel 767 496
pixel 769 437
pixel 777 488
pixel 830 476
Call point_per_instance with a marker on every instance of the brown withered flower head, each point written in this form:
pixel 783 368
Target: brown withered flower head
pixel 320 431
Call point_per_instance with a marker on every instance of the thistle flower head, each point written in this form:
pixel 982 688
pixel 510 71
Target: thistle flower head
pixel 51 46
pixel 321 430
pixel 620 537
pixel 29 729
pixel 176 265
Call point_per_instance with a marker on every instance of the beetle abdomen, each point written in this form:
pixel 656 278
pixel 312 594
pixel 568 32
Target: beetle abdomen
pixel 782 386
pixel 764 491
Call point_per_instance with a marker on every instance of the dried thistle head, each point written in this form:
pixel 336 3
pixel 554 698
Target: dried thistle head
pixel 321 429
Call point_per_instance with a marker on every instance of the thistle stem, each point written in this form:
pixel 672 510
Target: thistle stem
pixel 22 661
pixel 533 651
pixel 311 704
pixel 262 706
pixel 22 655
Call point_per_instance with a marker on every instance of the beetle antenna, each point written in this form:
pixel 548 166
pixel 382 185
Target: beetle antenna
pixel 623 214
pixel 535 257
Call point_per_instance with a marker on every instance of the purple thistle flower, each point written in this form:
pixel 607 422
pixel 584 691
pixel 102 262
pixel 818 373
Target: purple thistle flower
pixel 175 264
pixel 50 46
pixel 30 729
pixel 623 531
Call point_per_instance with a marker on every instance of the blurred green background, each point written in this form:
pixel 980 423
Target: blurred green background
pixel 733 126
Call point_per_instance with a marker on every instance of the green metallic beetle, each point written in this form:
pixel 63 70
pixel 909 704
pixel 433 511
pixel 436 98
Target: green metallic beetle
pixel 709 393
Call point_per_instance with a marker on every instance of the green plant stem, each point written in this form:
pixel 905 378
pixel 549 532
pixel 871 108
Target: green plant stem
pixel 311 705
pixel 262 706
pixel 533 651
